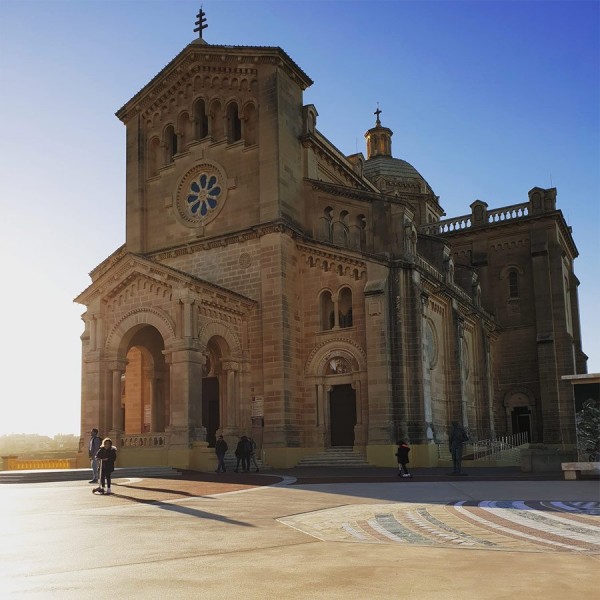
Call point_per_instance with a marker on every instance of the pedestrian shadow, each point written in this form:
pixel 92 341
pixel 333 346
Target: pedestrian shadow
pixel 183 510
pixel 162 490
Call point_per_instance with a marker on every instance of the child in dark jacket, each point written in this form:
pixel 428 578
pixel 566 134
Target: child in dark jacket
pixel 106 455
pixel 402 455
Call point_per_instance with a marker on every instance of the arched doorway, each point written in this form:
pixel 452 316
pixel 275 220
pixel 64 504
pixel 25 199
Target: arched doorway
pixel 342 415
pixel 521 421
pixel 520 413
pixel 214 388
pixel 145 385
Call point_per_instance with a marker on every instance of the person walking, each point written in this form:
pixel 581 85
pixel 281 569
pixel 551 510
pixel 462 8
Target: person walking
pixel 458 436
pixel 252 455
pixel 93 448
pixel 107 455
pixel 402 455
pixel 220 450
pixel 242 454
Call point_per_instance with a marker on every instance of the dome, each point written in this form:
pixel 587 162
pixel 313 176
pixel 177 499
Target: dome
pixel 395 171
pixel 387 173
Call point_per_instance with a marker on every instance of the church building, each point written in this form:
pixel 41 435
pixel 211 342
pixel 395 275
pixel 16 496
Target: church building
pixel 271 286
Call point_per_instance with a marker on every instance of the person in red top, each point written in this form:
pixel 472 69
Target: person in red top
pixel 402 455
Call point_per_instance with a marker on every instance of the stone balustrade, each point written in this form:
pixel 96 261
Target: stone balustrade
pixel 478 218
pixel 14 463
pixel 144 440
pixel 516 211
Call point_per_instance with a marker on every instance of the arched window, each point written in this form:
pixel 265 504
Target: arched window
pixel 200 120
pixel 345 307
pixel 216 120
pixel 250 125
pixel 325 224
pixel 358 233
pixel 170 144
pixel 184 127
pixel 513 284
pixel 327 311
pixel 234 124
pixel 153 157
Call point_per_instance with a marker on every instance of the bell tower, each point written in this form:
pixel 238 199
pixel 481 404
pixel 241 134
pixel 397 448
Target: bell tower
pixel 379 139
pixel 212 145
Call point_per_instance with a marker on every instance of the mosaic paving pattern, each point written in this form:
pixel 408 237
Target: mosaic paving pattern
pixel 529 526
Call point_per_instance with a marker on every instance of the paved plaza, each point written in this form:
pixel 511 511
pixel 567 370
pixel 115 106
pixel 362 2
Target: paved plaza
pixel 303 535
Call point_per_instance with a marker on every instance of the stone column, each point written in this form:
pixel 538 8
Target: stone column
pixel 230 405
pixel 148 396
pixel 426 359
pixel 326 416
pixel 360 433
pixel 489 385
pixel 117 370
pixel 186 397
pixel 463 384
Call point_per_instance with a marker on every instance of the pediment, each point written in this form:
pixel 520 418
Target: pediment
pixel 220 62
pixel 136 276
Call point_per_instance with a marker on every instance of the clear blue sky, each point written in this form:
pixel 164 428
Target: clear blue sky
pixel 486 99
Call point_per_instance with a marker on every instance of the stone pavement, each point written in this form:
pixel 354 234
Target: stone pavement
pixel 304 534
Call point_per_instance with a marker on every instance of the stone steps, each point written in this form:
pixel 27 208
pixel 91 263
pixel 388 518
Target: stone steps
pixel 338 456
pixel 84 474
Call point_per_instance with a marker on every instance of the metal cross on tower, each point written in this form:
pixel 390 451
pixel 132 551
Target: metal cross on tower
pixel 377 113
pixel 201 22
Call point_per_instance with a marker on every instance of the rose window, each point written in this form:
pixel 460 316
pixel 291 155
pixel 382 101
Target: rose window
pixel 203 195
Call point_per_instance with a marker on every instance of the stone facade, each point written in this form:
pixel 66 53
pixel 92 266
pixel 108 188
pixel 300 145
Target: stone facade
pixel 271 286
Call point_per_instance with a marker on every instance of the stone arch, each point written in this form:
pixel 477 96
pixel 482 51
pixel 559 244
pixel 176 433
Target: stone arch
pixel 217 329
pixel 521 412
pixel 431 343
pixel 121 334
pixel 519 397
pixel 344 348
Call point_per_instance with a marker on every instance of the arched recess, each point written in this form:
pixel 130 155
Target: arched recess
pixel 200 119
pixel 216 124
pixel 184 131
pixel 214 328
pixel 345 307
pixel 170 143
pixel 221 380
pixel 153 156
pixel 150 331
pixel 326 310
pixel 521 413
pixel 234 123
pixel 119 338
pixel 145 384
pixel 513 274
pixel 319 358
pixel 250 124
pixel 337 370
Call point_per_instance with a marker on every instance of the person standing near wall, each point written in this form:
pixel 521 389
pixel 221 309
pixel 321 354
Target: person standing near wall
pixel 94 446
pixel 458 436
pixel 402 456
pixel 220 450
pixel 108 456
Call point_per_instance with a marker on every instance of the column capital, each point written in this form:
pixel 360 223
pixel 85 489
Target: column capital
pixel 117 364
pixel 230 365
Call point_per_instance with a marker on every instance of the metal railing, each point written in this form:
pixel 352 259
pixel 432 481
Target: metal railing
pixel 502 448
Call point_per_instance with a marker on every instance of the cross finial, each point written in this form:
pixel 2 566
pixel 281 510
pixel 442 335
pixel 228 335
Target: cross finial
pixel 377 113
pixel 200 23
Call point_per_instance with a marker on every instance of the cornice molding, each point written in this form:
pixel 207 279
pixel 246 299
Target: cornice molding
pixel 194 59
pixel 111 283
